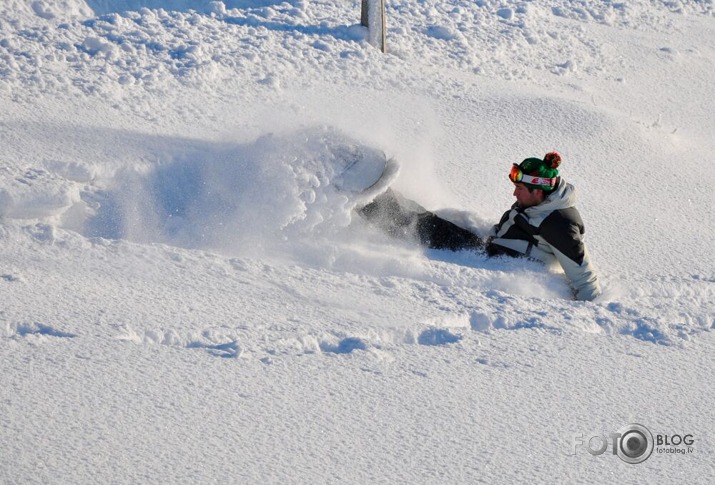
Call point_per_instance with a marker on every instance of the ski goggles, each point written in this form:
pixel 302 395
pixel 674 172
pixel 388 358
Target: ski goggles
pixel 516 175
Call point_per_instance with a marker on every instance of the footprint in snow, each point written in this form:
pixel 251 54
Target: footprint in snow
pixel 438 336
pixel 228 350
pixel 345 346
pixel 26 330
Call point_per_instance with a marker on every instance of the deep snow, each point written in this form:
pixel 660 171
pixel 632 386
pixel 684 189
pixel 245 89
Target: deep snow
pixel 185 298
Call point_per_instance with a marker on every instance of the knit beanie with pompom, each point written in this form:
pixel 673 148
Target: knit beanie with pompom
pixel 546 168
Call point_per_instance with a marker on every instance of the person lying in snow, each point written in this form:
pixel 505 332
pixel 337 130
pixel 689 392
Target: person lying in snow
pixel 543 224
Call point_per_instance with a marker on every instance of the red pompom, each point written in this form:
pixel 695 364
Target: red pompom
pixel 552 159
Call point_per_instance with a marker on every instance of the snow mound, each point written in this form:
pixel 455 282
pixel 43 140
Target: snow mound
pixel 34 193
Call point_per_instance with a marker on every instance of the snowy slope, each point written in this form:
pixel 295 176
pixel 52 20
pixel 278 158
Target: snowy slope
pixel 186 298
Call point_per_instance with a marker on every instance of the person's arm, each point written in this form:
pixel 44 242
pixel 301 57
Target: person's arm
pixel 582 276
pixel 564 233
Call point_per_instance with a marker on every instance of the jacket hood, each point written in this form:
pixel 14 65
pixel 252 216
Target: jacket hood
pixel 562 198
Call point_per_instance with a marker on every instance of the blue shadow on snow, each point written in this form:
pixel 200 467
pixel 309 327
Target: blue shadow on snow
pixel 438 336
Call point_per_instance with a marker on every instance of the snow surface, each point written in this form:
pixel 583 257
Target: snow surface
pixel 183 299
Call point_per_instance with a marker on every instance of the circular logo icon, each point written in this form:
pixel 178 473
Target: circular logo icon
pixel 636 443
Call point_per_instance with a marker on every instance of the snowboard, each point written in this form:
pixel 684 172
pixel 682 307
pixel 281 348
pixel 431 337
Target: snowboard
pixel 365 174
